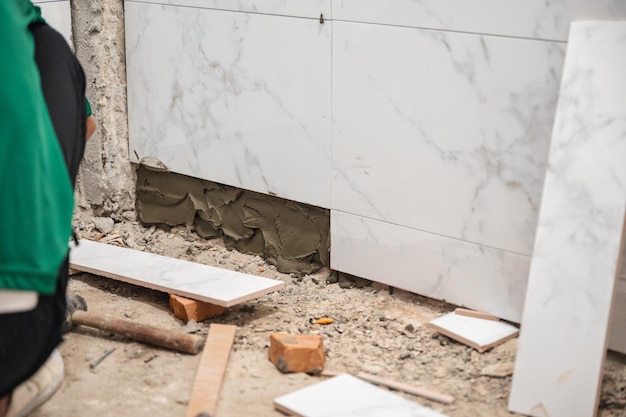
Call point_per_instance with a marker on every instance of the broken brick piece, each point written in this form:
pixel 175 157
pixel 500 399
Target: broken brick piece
pixel 186 309
pixel 297 352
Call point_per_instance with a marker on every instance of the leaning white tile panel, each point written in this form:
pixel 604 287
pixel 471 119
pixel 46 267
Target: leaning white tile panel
pixel 575 260
pixel 537 19
pixel 459 272
pixel 241 99
pixel 348 396
pixel 444 132
pixel 201 282
pixel 59 16
pixel 308 8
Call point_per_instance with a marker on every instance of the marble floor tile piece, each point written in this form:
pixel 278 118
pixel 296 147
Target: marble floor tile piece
pixel 217 286
pixel 481 334
pixel 348 396
pixel 576 255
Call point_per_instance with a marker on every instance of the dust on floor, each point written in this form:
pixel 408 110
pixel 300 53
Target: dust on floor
pixel 377 329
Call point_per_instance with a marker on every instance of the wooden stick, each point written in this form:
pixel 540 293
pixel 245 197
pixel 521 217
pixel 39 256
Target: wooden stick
pixel 170 339
pixel 208 382
pixel 410 389
pixel 476 314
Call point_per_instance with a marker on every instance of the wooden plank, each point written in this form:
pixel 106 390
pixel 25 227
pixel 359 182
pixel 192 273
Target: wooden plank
pixel 475 314
pixel 480 334
pixel 562 347
pixel 208 382
pixel 213 285
pixel 346 395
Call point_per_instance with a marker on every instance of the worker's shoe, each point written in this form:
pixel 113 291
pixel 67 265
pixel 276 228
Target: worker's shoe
pixel 38 388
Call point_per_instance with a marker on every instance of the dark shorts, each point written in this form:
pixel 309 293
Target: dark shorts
pixel 28 338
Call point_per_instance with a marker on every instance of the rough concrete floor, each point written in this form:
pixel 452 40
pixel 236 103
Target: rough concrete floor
pixel 374 331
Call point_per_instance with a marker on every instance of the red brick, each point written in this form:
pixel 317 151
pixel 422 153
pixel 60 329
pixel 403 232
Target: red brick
pixel 297 352
pixel 186 309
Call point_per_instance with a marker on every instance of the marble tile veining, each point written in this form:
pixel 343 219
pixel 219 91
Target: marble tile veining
pixel 189 279
pixel 348 396
pixel 459 272
pixel 537 19
pixel 241 99
pixel 576 254
pixel 447 133
pixel 308 8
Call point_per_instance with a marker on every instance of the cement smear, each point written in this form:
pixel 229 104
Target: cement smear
pixel 293 236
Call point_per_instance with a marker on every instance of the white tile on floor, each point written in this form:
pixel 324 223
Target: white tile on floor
pixel 240 99
pixel 309 8
pixel 563 339
pixel 536 19
pixel 217 286
pixel 482 278
pixel 479 333
pixel 348 396
pixel 445 132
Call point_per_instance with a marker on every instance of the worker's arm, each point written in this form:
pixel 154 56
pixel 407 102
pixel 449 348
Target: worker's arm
pixel 91 127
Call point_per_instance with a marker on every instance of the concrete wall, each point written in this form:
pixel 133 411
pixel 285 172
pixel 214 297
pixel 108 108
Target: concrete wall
pixel 106 178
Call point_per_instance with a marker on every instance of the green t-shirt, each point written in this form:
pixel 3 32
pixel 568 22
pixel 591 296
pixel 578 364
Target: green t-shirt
pixel 35 188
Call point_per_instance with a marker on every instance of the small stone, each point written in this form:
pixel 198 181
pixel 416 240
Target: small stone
pixel 372 369
pixel 332 278
pixel 104 224
pixel 344 281
pixel 498 370
pixel 191 327
pixel 440 372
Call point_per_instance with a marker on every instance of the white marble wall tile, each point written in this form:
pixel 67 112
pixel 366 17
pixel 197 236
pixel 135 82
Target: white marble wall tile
pixel 537 19
pixel 308 8
pixel 58 15
pixel 444 132
pixel 462 273
pixel 241 99
pixel 576 254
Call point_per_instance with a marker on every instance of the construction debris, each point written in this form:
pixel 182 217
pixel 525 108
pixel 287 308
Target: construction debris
pixel 481 334
pixel 97 361
pixel 499 370
pixel 297 353
pixel 186 309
